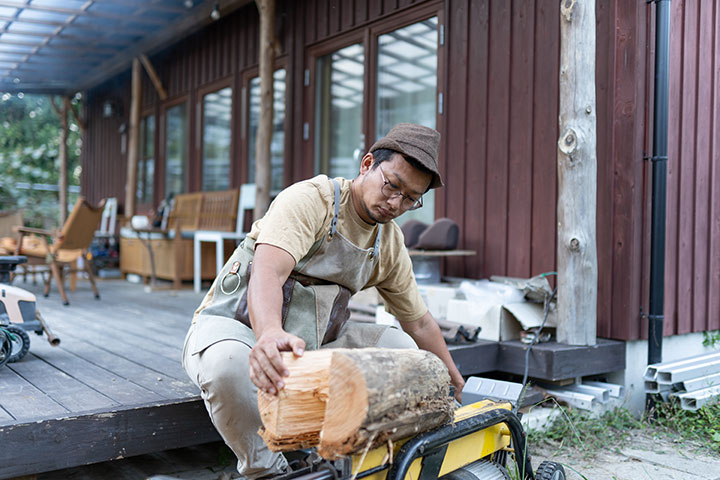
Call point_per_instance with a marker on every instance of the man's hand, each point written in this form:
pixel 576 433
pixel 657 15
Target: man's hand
pixel 266 366
pixel 271 267
pixel 459 384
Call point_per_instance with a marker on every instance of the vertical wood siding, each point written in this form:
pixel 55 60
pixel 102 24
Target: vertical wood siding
pixel 500 84
pixel 692 275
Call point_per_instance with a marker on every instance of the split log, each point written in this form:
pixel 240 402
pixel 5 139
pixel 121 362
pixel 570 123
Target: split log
pixel 347 400
pixel 293 418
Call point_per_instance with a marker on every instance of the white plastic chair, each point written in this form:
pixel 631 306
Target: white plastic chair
pixel 246 202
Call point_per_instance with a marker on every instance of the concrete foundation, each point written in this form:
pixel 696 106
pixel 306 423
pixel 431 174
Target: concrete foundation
pixel 675 347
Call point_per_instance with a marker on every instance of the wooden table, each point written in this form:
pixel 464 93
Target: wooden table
pixel 427 264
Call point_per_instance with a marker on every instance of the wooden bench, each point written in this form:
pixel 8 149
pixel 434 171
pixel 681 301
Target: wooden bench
pixel 172 248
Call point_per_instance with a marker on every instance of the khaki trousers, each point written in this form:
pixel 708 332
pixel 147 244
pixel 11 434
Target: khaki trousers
pixel 221 373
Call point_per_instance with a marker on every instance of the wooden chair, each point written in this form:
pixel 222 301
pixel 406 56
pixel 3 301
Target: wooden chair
pixel 61 250
pixel 246 201
pixel 9 220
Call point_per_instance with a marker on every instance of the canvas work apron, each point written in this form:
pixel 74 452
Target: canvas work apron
pixel 315 296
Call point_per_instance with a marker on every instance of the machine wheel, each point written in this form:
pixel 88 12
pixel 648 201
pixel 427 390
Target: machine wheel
pixel 5 347
pixel 550 471
pixel 20 345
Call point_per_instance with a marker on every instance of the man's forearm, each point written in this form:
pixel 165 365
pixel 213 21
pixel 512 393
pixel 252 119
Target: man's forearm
pixel 426 333
pixel 264 302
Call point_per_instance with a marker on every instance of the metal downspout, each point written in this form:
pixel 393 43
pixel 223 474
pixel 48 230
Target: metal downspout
pixel 659 181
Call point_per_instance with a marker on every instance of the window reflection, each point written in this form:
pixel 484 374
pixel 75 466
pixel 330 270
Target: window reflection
pixel 339 139
pixel 277 142
pixel 146 162
pixel 217 115
pixel 407 87
pixel 175 149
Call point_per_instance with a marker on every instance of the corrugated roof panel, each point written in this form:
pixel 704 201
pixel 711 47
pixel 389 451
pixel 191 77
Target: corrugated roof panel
pixel 76 4
pixel 29 14
pixel 30 27
pixel 14 48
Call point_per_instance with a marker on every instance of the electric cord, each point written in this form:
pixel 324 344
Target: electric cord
pixel 546 312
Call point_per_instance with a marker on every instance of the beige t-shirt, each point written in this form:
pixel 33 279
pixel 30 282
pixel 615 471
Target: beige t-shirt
pixel 301 215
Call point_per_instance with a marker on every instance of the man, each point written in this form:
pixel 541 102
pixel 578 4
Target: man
pixel 286 288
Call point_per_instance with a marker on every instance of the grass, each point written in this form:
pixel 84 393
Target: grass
pixel 585 434
pixel 702 426
pixel 579 433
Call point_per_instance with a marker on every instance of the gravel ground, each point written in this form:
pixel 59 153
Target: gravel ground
pixel 645 457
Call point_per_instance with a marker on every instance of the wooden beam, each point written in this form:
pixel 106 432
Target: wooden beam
pixel 62 157
pixel 264 133
pixel 104 435
pixel 133 139
pixel 76 115
pixel 577 176
pixel 153 76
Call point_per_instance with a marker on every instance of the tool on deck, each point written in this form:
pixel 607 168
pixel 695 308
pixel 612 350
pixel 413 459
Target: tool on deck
pixel 18 315
pixel 476 445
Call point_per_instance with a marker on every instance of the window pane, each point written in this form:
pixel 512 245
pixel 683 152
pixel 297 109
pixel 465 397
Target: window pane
pixel 146 162
pixel 175 149
pixel 217 113
pixel 407 87
pixel 277 142
pixel 339 141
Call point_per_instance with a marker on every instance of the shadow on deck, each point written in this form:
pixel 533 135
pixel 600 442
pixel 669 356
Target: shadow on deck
pixel 115 387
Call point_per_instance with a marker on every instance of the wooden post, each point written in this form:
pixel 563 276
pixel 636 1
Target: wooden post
pixel 133 139
pixel 265 123
pixel 577 176
pixel 63 158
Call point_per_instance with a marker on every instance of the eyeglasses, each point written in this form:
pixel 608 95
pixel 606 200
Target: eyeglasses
pixel 391 191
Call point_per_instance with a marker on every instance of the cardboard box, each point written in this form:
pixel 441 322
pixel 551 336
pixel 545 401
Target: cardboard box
pixel 436 298
pixel 498 322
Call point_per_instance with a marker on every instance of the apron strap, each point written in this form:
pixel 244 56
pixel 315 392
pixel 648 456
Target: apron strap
pixel 376 247
pixel 333 223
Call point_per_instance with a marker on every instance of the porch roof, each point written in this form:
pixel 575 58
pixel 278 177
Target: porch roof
pixel 65 46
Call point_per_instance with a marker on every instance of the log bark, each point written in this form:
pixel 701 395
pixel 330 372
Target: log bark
pixel 577 176
pixel 347 400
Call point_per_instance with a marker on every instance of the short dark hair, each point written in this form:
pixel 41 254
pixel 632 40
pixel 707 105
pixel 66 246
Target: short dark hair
pixel 384 154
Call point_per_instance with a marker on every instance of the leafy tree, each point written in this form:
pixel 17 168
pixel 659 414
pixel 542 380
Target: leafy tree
pixel 29 156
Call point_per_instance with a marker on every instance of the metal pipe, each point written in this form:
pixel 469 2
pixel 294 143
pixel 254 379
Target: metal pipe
pixel 659 181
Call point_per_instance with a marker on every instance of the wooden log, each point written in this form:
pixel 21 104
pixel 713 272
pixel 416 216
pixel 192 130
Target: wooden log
pixel 346 400
pixel 577 282
pixel 293 418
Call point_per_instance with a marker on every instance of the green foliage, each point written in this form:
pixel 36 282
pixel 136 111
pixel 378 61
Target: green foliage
pixel 586 434
pixel 29 154
pixel 711 339
pixel 702 426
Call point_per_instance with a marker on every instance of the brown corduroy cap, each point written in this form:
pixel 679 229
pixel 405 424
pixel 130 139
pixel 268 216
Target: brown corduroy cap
pixel 416 141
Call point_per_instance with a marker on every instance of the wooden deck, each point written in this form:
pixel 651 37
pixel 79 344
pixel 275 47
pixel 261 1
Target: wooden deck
pixel 113 388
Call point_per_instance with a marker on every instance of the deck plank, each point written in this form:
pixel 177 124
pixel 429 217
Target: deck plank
pixel 144 352
pixel 122 391
pixel 58 385
pixel 22 400
pixel 100 436
pixel 145 376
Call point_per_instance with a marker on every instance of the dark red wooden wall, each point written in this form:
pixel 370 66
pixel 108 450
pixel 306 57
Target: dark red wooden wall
pixel 692 275
pixel 498 73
